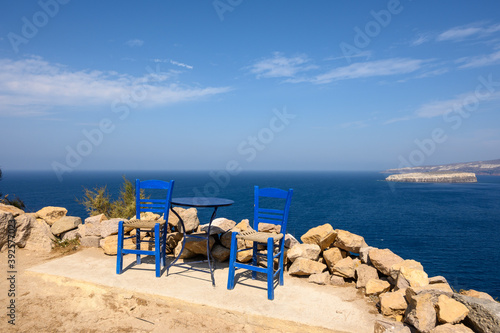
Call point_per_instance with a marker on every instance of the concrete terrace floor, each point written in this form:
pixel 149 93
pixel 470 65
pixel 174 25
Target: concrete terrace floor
pixel 339 309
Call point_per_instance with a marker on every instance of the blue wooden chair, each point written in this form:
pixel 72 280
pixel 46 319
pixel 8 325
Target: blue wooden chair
pixel 271 240
pixel 159 227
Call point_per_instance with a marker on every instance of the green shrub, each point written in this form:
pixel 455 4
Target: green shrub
pixel 97 201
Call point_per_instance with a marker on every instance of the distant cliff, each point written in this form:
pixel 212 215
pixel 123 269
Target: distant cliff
pixel 434 177
pixel 491 168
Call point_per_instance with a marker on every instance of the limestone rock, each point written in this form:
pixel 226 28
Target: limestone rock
pixel 149 216
pixel 411 277
pixel 383 259
pixel 11 209
pixel 345 268
pixel 484 315
pixel 186 253
pixel 390 326
pixel 332 256
pixel 41 238
pixel 89 229
pixel 323 235
pixel 348 241
pixel 364 254
pixel 244 256
pixel 6 219
pixel 65 223
pixel 450 311
pixel 110 244
pixel 393 304
pixel 198 246
pixel 290 241
pixel 173 239
pixel 421 313
pixel 319 278
pixel 449 328
pixel 23 228
pixel 219 226
pixel 364 273
pixel 225 239
pixel 394 272
pixel 337 280
pixel 70 235
pixel 269 227
pixel 189 217
pixel 93 241
pixel 51 214
pixel 220 253
pixel 110 227
pixel 376 287
pixel 437 279
pixel 95 219
pixel 435 290
pixel 308 251
pixel 477 294
pixel 306 267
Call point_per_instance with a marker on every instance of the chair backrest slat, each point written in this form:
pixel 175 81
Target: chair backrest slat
pixel 153 205
pixel 271 215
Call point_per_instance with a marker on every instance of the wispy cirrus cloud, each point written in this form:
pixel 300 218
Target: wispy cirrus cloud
pixel 134 43
pixel 468 31
pixel 173 62
pixel 386 67
pixel 480 61
pixel 34 86
pixel 459 102
pixel 279 66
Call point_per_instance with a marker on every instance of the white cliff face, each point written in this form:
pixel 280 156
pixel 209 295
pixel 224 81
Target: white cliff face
pixel 434 177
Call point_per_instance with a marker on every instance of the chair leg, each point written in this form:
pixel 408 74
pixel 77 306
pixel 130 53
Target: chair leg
pixel 119 254
pixel 281 259
pixel 164 246
pixel 254 259
pixel 270 268
pixel 138 245
pixel 232 258
pixel 157 250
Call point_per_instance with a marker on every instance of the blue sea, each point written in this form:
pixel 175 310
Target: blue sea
pixel 452 229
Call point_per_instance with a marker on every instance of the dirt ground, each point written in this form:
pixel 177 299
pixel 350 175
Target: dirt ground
pixel 45 304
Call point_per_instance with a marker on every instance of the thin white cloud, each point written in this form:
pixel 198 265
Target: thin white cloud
pixel 173 62
pixel 180 64
pixel 480 61
pixel 470 100
pixel 370 69
pixel 34 86
pixel 421 39
pixel 365 54
pixel 467 31
pixel 134 43
pixel 281 66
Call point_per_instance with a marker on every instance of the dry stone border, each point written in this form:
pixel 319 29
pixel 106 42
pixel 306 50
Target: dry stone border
pixel 410 300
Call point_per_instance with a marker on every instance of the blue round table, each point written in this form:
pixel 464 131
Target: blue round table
pixel 199 202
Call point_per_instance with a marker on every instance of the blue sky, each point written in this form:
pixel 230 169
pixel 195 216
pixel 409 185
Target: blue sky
pixel 247 85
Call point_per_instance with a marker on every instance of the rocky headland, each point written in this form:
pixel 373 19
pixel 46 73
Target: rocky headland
pixel 410 300
pixel 491 168
pixel 434 177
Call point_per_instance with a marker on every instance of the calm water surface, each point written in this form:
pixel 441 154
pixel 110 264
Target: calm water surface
pixel 452 229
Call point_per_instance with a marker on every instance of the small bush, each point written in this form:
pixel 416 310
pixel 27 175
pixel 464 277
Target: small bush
pixel 97 201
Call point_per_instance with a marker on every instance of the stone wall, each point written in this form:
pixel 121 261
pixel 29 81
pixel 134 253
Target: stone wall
pixel 405 294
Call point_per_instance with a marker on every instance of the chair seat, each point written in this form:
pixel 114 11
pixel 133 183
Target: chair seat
pixel 259 237
pixel 143 224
